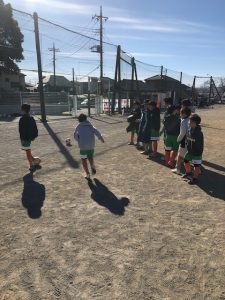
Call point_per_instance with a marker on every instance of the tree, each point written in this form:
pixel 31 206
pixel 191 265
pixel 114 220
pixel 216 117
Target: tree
pixel 11 39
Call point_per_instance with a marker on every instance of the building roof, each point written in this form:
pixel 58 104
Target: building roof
pixel 158 77
pixel 59 81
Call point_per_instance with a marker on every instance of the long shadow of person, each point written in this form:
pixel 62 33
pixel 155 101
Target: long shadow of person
pixel 212 183
pixel 33 196
pixel 104 197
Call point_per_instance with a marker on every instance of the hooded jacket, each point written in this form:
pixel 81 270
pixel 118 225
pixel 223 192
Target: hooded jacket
pixel 155 119
pixel 27 128
pixel 195 141
pixel 85 134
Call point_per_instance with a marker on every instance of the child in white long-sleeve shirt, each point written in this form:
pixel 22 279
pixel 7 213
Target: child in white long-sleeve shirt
pixel 181 139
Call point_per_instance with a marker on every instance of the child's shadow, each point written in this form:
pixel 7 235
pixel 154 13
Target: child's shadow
pixel 33 196
pixel 104 197
pixel 212 183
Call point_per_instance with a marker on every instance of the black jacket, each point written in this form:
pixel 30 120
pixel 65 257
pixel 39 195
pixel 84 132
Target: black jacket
pixel 27 128
pixel 135 115
pixel 195 141
pixel 155 119
pixel 172 125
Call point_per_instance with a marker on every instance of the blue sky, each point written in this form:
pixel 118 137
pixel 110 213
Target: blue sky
pixel 186 36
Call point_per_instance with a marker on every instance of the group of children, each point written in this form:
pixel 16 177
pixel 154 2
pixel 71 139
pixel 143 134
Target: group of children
pixel 183 138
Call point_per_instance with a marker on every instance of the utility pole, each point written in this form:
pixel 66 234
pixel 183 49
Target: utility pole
pixel 54 50
pixel 99 48
pixel 40 85
pixel 74 89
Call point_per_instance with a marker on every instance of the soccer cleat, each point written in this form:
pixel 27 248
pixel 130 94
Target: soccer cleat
pixel 131 143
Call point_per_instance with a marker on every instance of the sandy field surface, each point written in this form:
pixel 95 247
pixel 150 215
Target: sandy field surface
pixel 135 232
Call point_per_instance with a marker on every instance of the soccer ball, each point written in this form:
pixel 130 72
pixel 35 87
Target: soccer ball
pixel 36 161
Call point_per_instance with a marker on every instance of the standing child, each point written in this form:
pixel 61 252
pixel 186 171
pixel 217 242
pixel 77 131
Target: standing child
pixel 134 120
pixel 195 145
pixel 184 114
pixel 85 134
pixel 155 127
pixel 145 129
pixel 28 132
pixel 171 132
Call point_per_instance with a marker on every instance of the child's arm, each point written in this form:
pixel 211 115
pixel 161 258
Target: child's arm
pixel 182 134
pixel 98 135
pixel 76 135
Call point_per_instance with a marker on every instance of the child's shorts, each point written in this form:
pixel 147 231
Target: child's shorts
pixel 194 159
pixel 86 154
pixel 133 131
pixel 171 143
pixel 25 145
pixel 154 135
pixel 182 151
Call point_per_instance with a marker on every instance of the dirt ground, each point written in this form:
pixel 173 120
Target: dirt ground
pixel 137 232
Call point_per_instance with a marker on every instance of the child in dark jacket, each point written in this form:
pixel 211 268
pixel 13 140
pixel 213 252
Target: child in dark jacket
pixel 145 129
pixel 155 127
pixel 171 131
pixel 134 120
pixel 28 132
pixel 195 145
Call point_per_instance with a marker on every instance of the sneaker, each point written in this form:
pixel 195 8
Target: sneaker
pixel 131 143
pixel 186 175
pixel 193 181
pixel 152 154
pixel 32 168
pixel 93 170
pixel 88 176
pixel 176 171
pixel 144 152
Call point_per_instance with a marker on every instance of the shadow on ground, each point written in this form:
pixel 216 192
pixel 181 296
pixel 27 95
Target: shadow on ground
pixel 71 161
pixel 210 181
pixel 104 197
pixel 33 196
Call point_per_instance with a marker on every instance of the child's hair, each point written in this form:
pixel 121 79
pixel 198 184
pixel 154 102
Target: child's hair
pixel 185 111
pixel 171 109
pixel 168 100
pixel 186 102
pixel 177 107
pixel 82 118
pixel 195 118
pixel 25 107
pixel 152 103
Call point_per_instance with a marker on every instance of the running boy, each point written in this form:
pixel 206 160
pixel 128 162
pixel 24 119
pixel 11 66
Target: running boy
pixel 195 145
pixel 28 132
pixel 184 114
pixel 85 134
pixel 155 127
